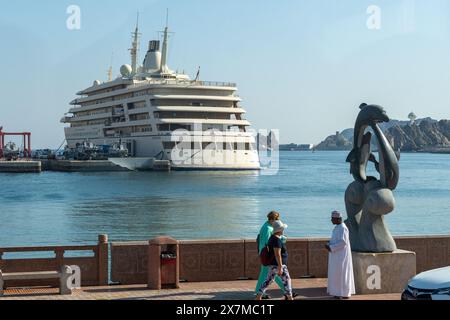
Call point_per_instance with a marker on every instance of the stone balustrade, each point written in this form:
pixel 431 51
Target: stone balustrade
pixel 93 265
pixel 202 260
pixel 225 260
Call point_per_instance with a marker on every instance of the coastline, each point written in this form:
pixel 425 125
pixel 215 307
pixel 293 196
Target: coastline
pixel 348 150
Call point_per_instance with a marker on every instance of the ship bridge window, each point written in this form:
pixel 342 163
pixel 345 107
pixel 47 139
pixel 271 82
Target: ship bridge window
pixel 240 146
pixel 137 129
pixel 214 127
pixel 195 145
pixel 136 105
pixel 227 146
pixel 208 145
pixel 140 93
pixel 96 122
pixel 173 127
pixel 140 116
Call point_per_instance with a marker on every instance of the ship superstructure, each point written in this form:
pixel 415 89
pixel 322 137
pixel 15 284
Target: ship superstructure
pixel 158 113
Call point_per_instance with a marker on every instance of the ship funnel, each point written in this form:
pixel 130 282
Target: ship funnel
pixel 154 46
pixel 152 61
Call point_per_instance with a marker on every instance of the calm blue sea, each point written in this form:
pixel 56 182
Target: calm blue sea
pixel 68 208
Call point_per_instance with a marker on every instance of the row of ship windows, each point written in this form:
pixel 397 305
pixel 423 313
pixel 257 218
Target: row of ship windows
pixel 161 127
pixel 170 145
pixel 111 89
pixel 108 122
pixel 120 97
pixel 203 127
pixel 170 115
pixel 119 110
pixel 195 145
pixel 127 131
pixel 119 117
pixel 163 102
pixel 152 92
pixel 194 115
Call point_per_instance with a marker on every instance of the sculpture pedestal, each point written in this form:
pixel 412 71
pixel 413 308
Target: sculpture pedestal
pixel 377 273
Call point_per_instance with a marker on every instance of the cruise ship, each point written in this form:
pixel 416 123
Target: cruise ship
pixel 158 113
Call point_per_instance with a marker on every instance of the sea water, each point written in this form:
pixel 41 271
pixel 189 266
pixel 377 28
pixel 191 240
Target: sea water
pixel 54 208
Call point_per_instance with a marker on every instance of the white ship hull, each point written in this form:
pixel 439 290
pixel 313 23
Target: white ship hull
pixel 151 146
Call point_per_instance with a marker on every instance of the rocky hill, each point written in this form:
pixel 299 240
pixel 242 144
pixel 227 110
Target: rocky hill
pixel 335 142
pixel 424 135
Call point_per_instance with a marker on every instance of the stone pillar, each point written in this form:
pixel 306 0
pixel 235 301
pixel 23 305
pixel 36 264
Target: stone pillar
pixel 1 283
pixel 377 273
pixel 65 288
pixel 154 267
pixel 1 260
pixel 103 254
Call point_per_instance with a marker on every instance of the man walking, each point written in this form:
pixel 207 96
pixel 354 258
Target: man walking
pixel 341 283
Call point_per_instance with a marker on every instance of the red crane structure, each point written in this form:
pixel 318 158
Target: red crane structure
pixel 26 136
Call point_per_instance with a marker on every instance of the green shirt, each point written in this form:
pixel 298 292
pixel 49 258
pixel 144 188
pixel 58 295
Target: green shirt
pixel 264 235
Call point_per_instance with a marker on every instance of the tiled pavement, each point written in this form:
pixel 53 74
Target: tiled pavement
pixel 230 290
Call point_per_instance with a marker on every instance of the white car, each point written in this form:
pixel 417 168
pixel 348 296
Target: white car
pixel 429 285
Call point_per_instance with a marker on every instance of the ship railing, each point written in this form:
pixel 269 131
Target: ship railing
pixel 187 82
pixel 214 83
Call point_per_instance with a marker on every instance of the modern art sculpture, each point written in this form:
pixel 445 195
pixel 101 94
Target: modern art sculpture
pixel 368 199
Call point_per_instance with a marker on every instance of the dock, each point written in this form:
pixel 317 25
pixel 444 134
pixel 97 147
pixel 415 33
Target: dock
pixel 81 166
pixel 111 165
pixel 20 166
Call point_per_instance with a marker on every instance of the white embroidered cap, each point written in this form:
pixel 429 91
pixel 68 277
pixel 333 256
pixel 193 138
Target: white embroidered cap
pixel 336 214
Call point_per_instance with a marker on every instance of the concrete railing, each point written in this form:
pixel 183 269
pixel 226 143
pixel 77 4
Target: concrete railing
pixel 94 269
pixel 224 260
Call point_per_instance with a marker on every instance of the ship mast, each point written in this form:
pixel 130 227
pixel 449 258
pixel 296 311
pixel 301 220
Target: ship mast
pixel 135 47
pixel 164 68
pixel 110 70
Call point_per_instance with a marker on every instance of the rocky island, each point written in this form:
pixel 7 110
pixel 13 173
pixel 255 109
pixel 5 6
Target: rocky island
pixel 421 135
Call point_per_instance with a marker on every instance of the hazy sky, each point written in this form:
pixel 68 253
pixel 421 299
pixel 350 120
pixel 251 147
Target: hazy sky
pixel 301 66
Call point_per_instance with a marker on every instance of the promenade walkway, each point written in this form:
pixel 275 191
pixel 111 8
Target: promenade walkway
pixel 311 289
